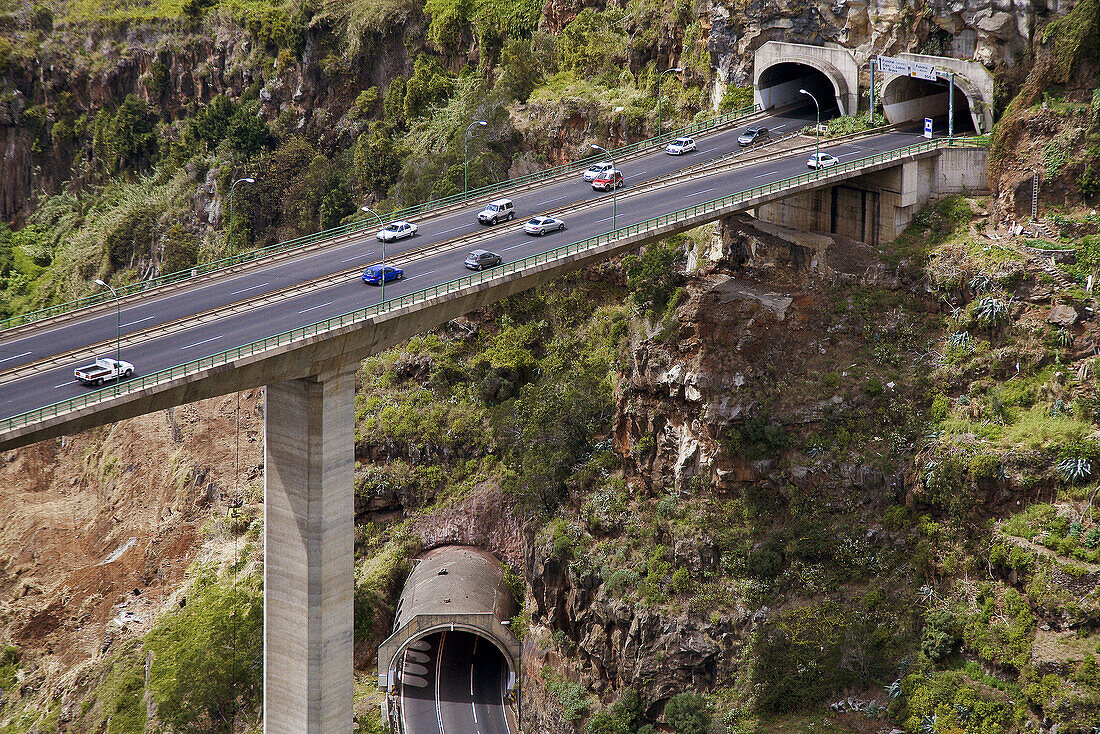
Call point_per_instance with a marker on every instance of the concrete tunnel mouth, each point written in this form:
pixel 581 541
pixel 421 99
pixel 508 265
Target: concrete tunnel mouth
pixel 909 99
pixel 457 589
pixel 779 85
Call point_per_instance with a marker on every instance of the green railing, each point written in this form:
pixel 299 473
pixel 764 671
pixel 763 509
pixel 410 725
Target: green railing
pixel 138 384
pixel 358 226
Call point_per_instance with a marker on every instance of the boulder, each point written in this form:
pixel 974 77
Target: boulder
pixel 1062 315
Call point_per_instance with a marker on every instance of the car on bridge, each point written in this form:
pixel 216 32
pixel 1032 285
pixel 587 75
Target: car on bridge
pixel 373 274
pixel 396 231
pixel 542 225
pixel 500 210
pixel 753 136
pixel 608 180
pixel 598 168
pixel 679 146
pixel 481 259
pixel 822 160
pixel 102 370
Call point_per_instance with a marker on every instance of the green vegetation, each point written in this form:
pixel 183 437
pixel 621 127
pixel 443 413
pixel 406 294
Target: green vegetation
pixel 208 657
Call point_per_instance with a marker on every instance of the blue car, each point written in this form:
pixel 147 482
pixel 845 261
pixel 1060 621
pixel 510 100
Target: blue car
pixel 373 274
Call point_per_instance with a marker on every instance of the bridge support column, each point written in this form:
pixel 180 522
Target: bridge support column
pixel 309 555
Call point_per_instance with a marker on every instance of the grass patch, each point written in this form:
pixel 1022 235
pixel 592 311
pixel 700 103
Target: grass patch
pixel 934 226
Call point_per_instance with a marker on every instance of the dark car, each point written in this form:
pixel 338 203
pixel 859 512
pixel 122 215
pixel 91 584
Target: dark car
pixel 373 274
pixel 753 136
pixel 481 259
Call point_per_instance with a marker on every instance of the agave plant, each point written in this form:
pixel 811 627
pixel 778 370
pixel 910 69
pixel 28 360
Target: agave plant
pixel 1074 470
pixel 959 339
pixel 927 593
pixel 982 283
pixel 928 724
pixel 1063 338
pixel 991 311
pixel 894 689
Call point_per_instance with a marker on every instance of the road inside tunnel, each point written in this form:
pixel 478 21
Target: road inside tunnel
pixel 453 683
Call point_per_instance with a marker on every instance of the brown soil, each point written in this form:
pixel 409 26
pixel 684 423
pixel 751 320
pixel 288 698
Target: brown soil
pixel 99 528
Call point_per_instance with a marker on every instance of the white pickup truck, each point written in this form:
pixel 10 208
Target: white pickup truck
pixel 102 370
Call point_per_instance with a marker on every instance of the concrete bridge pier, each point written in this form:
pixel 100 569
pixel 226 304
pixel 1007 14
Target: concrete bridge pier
pixel 309 554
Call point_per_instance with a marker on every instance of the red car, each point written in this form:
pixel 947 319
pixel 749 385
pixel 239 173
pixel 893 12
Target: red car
pixel 608 179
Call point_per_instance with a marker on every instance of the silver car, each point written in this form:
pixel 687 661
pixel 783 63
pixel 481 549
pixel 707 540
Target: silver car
pixel 679 146
pixel 591 174
pixel 481 259
pixel 542 225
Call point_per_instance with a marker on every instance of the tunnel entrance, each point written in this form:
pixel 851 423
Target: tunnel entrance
pixel 446 679
pixel 779 85
pixel 908 99
pixel 451 590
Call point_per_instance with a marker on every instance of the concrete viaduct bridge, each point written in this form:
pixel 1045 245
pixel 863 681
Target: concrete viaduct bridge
pixel 833 75
pixel 305 344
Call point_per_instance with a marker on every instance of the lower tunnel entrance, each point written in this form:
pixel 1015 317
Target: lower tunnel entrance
pixel 452 682
pixel 908 99
pixel 779 85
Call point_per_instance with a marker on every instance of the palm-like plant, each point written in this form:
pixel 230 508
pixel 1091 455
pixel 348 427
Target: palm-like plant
pixel 1075 469
pixel 991 311
pixel 894 689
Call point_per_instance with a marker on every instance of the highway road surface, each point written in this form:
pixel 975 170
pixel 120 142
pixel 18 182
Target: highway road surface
pixel 454 683
pixel 264 312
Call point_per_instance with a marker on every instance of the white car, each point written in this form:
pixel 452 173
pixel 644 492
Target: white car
pixel 679 146
pixel 591 174
pixel 822 160
pixel 395 231
pixel 542 225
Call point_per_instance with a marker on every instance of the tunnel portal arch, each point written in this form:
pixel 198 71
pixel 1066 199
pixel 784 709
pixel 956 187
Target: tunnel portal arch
pixel 901 96
pixel 453 588
pixel 780 69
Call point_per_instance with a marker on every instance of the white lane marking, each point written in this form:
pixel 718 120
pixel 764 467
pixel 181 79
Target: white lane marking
pixel 249 288
pixel 639 173
pixel 15 356
pixel 605 219
pixel 696 193
pixel 404 724
pixel 766 173
pixel 452 229
pixel 778 127
pixel 472 675
pixel 512 247
pixel 472 707
pixel 63 384
pixel 131 323
pixel 319 305
pixel 204 341
pixel 414 277
pixel 358 257
pixel 503 681
pixel 549 201
pixel 438 666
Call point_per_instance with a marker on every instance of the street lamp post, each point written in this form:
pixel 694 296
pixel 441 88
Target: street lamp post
pixel 614 209
pixel 118 333
pixel 817 133
pixel 465 156
pixel 383 281
pixel 239 180
pixel 676 69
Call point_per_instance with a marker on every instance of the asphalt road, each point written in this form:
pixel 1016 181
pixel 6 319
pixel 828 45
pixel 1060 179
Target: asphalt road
pixel 456 685
pixel 179 346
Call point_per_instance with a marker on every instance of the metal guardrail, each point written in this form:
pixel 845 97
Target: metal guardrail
pixel 360 225
pixel 372 312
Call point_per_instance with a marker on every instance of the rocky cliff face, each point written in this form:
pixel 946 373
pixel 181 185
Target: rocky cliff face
pixel 762 322
pixel 993 32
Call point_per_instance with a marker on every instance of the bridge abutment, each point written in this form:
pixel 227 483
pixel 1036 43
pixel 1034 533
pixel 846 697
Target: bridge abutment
pixel 309 554
pixel 877 207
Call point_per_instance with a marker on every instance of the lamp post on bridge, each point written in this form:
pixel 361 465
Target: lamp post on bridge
pixel 465 156
pixel 118 333
pixel 239 180
pixel 382 282
pixel 817 133
pixel 675 69
pixel 614 209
